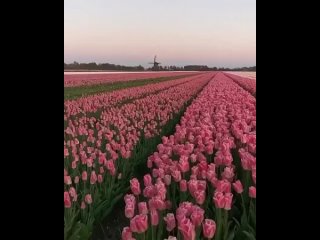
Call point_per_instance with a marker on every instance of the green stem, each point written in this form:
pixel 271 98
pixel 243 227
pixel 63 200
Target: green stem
pixel 198 231
pixel 174 205
pixel 153 231
pixel 244 207
pixel 251 210
pixel 160 226
pixel 178 235
pixel 219 223
pixel 225 230
pixel 246 186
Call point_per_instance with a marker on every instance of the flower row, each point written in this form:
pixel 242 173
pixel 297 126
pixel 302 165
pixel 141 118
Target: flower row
pixel 204 175
pixel 73 80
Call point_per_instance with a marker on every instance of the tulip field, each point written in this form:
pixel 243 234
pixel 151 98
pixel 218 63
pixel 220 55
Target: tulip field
pixel 245 82
pixel 251 75
pixel 72 80
pixel 179 155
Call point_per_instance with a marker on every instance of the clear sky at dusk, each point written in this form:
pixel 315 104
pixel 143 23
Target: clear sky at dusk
pixel 218 33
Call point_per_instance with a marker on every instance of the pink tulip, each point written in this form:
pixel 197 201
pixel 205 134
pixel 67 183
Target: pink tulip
pixel 149 163
pixel 193 186
pixel 254 175
pixel 167 179
pixel 76 179
pixel 237 185
pixel 83 205
pixel 184 166
pixel 202 185
pixel 170 222
pixel 187 229
pixel 143 209
pixel 147 180
pixel 135 186
pixel 126 234
pixel 252 192
pixel 100 178
pixel 73 194
pixel 84 176
pixel 88 199
pixel 67 201
pixel 156 203
pixel 66 152
pixel 74 165
pixel 208 228
pixel 228 173
pixel 110 166
pixel 67 180
pixel 223 186
pixel 154 217
pixel 130 198
pixel 139 223
pixel 149 191
pixel 129 210
pixel 228 201
pixel 93 177
pixel 193 158
pixel 161 190
pixel 181 215
pixel 210 175
pixel 245 164
pixel 195 170
pixel 219 199
pixel 200 196
pixel 176 176
pixel 183 185
pixel 197 217
pixel 89 162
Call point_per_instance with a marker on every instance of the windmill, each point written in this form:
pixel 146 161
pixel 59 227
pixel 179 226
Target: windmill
pixel 155 64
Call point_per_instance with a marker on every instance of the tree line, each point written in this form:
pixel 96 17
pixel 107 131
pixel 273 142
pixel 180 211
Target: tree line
pixel 114 67
pixel 101 66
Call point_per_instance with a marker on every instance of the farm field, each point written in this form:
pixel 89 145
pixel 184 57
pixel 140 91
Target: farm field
pixel 85 90
pixel 248 84
pixel 244 74
pixel 167 155
pixel 89 78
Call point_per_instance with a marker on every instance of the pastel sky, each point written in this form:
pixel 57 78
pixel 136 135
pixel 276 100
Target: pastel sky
pixel 218 33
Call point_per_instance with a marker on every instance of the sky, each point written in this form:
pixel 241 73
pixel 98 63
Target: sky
pixel 219 33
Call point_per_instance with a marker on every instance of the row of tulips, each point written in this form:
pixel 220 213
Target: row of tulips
pixel 106 100
pixel 101 153
pixel 245 74
pixel 73 80
pixel 202 181
pixel 248 84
